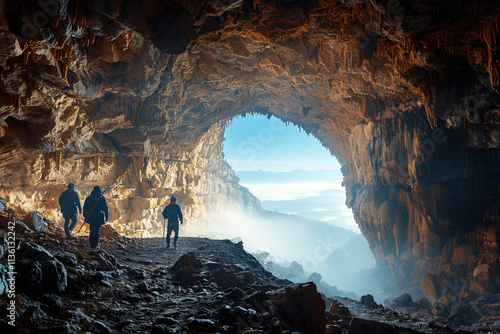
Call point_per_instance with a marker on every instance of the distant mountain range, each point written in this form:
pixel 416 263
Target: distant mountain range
pixel 310 199
pixel 288 177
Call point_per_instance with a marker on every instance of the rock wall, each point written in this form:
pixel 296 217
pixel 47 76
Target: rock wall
pixel 135 96
pixel 137 186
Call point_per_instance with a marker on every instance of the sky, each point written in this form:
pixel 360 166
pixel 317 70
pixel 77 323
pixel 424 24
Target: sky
pixel 258 143
pixel 271 160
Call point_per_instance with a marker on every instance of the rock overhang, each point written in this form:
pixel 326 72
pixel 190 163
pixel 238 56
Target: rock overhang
pixel 135 96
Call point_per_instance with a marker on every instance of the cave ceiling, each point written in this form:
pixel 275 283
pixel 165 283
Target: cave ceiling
pixel 136 95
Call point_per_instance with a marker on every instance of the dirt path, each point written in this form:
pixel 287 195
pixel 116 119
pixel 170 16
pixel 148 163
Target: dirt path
pixel 143 291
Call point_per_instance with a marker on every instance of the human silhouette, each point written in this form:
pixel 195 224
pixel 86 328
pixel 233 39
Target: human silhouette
pixel 70 205
pixel 173 213
pixel 95 211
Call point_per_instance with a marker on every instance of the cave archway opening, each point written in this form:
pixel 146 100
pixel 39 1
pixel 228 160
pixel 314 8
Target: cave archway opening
pixel 305 227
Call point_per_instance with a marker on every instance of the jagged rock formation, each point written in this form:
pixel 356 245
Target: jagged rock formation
pixel 135 95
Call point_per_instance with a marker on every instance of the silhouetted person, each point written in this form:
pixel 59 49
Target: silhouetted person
pixel 173 213
pixel 95 211
pixel 70 205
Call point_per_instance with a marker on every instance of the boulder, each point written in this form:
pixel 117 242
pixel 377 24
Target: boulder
pixel 429 288
pixel 402 301
pixel 108 233
pixel 440 310
pixel 68 259
pixel 3 205
pixel 235 294
pixel 38 271
pixel 38 322
pixel 107 262
pixel 369 301
pixel 424 303
pixel 185 268
pixel 5 223
pixel 339 309
pixel 143 287
pixel 478 288
pixel 53 302
pixel 487 276
pixel 186 260
pixel 301 307
pixel 184 275
pixel 333 329
pixel 462 255
pixel 135 274
pixel 202 325
pixel 133 298
pixel 37 222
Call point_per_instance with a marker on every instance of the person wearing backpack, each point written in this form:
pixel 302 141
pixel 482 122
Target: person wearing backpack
pixel 173 213
pixel 95 211
pixel 70 205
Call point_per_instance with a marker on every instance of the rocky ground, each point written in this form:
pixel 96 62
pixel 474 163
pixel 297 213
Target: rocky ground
pixel 204 286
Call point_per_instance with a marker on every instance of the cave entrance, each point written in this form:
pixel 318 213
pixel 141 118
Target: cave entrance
pixel 305 226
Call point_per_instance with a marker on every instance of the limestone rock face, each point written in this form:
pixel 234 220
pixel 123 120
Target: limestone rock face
pixel 135 96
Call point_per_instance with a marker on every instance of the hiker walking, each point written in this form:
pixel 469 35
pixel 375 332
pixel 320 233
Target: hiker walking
pixel 173 213
pixel 70 205
pixel 95 211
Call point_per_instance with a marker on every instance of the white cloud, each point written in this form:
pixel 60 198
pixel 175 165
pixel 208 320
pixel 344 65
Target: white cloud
pixel 290 191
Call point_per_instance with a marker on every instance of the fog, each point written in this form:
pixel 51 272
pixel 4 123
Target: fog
pixel 294 247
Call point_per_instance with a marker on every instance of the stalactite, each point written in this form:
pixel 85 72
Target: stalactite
pixel 15 100
pixel 46 163
pixel 55 20
pixel 64 70
pixel 89 37
pixel 65 52
pixel 124 40
pixel 47 157
pixel 138 163
pixel 57 158
pixel 382 46
pixel 97 161
pixel 302 38
pixel 358 9
pixel 78 13
pixel 61 40
pixel 26 56
pixel 10 5
pixel 255 4
pixel 34 57
pixel 475 7
pixel 489 34
pixel 410 44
